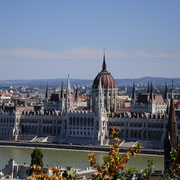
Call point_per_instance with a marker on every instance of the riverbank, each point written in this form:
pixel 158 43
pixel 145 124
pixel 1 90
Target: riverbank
pixel 67 157
pixel 75 147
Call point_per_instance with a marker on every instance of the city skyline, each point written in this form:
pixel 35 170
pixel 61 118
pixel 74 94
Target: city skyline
pixel 48 40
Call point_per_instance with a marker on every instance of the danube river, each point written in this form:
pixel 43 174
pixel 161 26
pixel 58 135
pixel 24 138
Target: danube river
pixel 77 159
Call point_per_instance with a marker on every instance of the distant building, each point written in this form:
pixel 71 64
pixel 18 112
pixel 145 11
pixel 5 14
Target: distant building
pixel 20 171
pixel 109 90
pixel 68 117
pixel 149 102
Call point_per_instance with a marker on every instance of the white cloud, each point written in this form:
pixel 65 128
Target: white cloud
pixel 80 53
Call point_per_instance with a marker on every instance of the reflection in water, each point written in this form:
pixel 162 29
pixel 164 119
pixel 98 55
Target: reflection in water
pixel 68 158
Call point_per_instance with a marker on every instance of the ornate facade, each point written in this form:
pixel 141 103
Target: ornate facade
pixel 109 88
pixel 65 119
pixel 149 102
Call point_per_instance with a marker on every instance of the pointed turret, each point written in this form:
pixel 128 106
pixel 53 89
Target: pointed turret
pixel 166 92
pixel 15 105
pixel 171 139
pixel 68 96
pixel 172 125
pixel 62 90
pixel 68 83
pixel 104 63
pixel 134 92
pixel 148 88
pixel 47 92
pixel 3 106
pixel 151 92
pixel 77 94
pixel 100 97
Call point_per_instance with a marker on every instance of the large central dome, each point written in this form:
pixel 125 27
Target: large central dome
pixel 107 80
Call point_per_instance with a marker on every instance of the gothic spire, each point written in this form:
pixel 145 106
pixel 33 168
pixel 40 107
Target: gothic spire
pixel 104 62
pixel 151 92
pixel 77 93
pixel 47 91
pixel 172 126
pixel 62 90
pixel 171 139
pixel 172 89
pixel 166 92
pixel 68 96
pixel 100 97
pixel 68 83
pixel 148 88
pixel 134 92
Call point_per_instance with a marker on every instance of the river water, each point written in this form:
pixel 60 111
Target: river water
pixel 77 159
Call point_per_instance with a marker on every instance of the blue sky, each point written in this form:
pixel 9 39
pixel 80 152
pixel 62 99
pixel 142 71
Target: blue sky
pixel 51 38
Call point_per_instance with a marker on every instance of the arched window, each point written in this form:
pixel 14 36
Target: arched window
pixel 139 136
pixel 81 120
pixel 85 123
pixel 92 121
pixel 74 121
pixel 144 134
pixel 149 135
pixel 127 133
pixel 131 134
pixel 78 121
pixel 89 121
pixel 70 120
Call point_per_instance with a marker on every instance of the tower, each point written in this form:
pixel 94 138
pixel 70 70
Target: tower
pixel 47 93
pixel 172 125
pixel 134 92
pixel 101 114
pixel 148 88
pixel 108 101
pixel 171 139
pixel 68 96
pixel 62 91
pixel 62 97
pixel 151 93
pixel 77 95
pixel 104 63
pixel 108 86
pixel 166 92
pixel 100 101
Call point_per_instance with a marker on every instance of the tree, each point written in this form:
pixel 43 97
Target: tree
pixel 174 167
pixel 146 173
pixel 36 159
pixel 114 163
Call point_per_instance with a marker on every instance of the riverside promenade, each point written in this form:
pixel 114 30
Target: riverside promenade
pixel 89 148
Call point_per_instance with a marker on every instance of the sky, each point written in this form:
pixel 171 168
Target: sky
pixel 49 39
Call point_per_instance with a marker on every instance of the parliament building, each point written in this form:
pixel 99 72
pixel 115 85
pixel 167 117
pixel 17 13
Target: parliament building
pixel 66 117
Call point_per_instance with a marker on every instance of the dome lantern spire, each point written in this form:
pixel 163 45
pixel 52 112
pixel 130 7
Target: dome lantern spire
pixel 104 62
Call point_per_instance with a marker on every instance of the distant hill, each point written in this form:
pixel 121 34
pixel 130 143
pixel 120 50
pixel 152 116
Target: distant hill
pixel 57 82
pixel 146 79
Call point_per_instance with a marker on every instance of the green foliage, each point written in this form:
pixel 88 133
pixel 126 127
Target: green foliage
pixel 69 175
pixel 174 170
pixel 114 162
pixel 128 174
pixel 36 158
pixel 146 173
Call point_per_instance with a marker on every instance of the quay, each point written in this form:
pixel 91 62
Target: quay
pixel 146 151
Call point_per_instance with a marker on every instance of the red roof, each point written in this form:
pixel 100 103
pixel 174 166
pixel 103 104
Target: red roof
pixel 159 99
pixel 106 79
